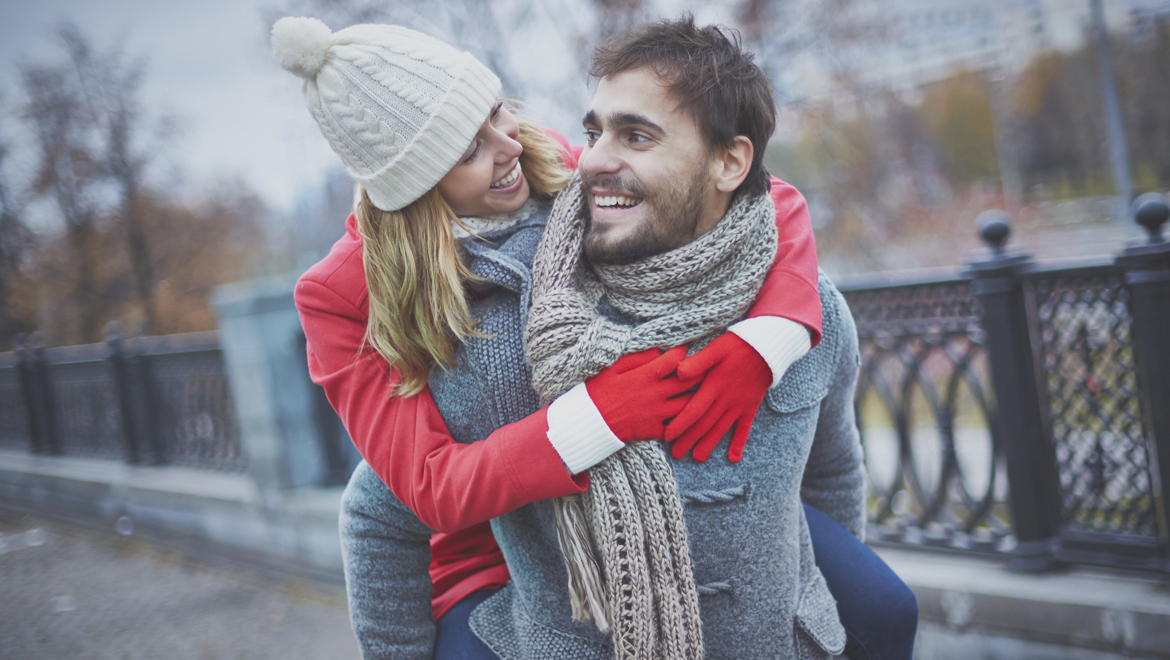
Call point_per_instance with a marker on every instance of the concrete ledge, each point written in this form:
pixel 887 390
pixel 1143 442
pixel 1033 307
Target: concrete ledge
pixel 972 607
pixel 297 526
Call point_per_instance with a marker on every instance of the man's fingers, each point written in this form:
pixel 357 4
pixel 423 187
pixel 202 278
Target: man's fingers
pixel 674 407
pixel 743 427
pixel 699 363
pixel 699 404
pixel 694 433
pixel 712 437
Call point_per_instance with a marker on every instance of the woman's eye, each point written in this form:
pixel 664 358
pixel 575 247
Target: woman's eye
pixel 471 156
pixel 496 111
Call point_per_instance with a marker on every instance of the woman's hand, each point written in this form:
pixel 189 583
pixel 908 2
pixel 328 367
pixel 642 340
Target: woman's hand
pixel 735 379
pixel 640 392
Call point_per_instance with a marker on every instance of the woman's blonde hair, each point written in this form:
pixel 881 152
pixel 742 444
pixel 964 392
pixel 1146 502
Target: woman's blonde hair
pixel 416 281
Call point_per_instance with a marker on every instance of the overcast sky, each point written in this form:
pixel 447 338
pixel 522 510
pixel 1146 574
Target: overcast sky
pixel 209 64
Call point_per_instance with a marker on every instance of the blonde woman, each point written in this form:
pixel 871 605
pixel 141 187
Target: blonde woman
pixel 414 328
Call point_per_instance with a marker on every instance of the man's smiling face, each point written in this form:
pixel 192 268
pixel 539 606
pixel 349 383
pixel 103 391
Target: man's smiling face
pixel 645 173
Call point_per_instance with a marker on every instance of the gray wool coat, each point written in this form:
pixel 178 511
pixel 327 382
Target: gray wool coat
pixel 761 595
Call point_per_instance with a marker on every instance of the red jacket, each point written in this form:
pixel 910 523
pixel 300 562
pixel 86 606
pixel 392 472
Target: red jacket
pixel 456 488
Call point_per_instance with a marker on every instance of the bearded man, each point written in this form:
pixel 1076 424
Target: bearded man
pixel 665 241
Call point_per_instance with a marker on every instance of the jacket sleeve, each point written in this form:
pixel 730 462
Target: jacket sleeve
pixel 790 289
pixel 448 485
pixel 834 478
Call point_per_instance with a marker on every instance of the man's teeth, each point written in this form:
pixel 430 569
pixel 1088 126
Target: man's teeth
pixel 509 178
pixel 617 200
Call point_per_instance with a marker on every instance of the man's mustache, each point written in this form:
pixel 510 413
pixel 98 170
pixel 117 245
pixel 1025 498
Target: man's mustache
pixel 614 184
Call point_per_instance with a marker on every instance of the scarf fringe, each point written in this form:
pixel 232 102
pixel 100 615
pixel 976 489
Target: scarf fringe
pixel 586 587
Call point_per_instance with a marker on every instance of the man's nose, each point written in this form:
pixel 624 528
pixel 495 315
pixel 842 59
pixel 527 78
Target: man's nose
pixel 600 159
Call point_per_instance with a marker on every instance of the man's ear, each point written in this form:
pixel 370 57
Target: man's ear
pixel 732 166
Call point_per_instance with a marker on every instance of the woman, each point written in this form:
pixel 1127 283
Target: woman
pixel 435 262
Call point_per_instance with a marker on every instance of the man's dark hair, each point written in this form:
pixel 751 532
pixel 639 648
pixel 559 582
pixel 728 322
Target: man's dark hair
pixel 714 80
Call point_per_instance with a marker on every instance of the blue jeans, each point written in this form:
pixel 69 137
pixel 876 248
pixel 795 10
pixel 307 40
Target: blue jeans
pixel 455 640
pixel 878 610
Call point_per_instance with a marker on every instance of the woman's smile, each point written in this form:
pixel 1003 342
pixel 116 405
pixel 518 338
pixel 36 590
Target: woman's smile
pixel 508 183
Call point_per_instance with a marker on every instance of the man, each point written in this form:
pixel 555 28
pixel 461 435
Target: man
pixel 665 242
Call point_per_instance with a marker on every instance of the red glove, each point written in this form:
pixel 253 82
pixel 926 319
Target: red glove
pixel 737 380
pixel 639 393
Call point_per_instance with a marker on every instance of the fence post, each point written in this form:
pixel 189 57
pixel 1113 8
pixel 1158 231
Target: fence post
pixel 1021 419
pixel 24 375
pixel 149 399
pixel 38 396
pixel 1147 276
pixel 123 388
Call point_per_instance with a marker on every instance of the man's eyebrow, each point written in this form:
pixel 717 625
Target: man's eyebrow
pixel 623 119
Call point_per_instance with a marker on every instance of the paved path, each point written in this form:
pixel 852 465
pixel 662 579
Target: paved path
pixel 70 592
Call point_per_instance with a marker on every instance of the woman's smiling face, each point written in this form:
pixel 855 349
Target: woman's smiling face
pixel 487 179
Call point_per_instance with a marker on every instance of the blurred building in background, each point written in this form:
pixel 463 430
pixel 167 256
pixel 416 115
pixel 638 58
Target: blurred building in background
pixel 930 40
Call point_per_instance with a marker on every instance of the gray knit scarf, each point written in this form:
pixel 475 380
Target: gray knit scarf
pixel 630 520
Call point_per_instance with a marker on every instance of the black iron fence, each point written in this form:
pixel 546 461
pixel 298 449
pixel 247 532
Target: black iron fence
pixel 1022 409
pixel 149 400
pixel 1014 409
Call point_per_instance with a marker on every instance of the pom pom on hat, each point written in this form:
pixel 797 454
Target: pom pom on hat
pixel 300 44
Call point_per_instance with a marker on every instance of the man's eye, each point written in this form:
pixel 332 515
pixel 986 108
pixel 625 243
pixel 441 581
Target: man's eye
pixel 638 138
pixel 592 136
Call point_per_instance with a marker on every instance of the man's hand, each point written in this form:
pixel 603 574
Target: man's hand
pixel 735 382
pixel 640 392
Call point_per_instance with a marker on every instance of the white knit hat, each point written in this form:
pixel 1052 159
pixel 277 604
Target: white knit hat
pixel 399 107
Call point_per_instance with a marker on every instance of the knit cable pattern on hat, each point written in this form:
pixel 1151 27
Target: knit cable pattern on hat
pixel 399 107
pixel 624 539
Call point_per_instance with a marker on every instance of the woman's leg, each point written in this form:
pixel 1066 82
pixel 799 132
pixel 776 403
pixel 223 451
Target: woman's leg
pixel 878 610
pixel 386 553
pixel 455 640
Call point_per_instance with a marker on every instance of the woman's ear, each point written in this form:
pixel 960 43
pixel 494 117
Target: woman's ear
pixel 732 166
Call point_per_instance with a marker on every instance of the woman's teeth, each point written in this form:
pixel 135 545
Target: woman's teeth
pixel 509 178
pixel 617 200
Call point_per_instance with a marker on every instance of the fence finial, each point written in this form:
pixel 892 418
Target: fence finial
pixel 1150 211
pixel 994 229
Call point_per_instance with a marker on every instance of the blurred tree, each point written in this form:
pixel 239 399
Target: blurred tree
pixel 1062 128
pixel 128 251
pixel 1062 124
pixel 831 32
pixel 195 247
pixel 110 86
pixel 15 242
pixel 958 111
pixel 69 171
pixel 1143 66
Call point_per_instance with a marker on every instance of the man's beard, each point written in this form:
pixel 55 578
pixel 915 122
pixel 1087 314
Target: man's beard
pixel 671 220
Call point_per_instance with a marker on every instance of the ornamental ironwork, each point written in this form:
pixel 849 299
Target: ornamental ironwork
pixel 1084 344
pixel 925 414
